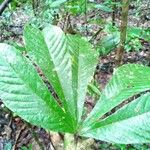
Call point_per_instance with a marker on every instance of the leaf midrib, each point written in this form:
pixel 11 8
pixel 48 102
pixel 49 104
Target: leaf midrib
pixel 28 86
pixel 117 95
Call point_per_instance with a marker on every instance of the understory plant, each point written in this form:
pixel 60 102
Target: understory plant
pixel 135 36
pixel 65 63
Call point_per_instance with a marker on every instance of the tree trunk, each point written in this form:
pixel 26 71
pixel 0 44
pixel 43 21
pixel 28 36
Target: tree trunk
pixel 123 30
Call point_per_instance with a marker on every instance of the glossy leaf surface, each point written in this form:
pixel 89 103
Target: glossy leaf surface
pixel 84 61
pixel 126 82
pixel 53 59
pixel 23 91
pixel 130 124
pixel 68 62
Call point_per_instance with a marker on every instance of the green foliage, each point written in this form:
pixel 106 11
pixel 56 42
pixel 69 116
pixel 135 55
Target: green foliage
pixel 103 8
pixel 56 3
pixel 107 44
pixel 67 62
pixel 27 148
pixel 77 7
pixel 133 42
pixel 70 74
pixel 16 3
pixel 110 41
pixel 82 6
pixel 121 146
pixel 132 119
pixel 30 93
pixel 134 37
pixel 93 89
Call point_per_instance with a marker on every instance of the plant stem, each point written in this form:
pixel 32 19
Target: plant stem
pixel 70 142
pixel 96 34
pixel 123 30
pixel 114 13
pixel 85 13
pixel 67 25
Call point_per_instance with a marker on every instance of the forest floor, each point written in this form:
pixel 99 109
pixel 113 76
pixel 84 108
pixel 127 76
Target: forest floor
pixel 15 133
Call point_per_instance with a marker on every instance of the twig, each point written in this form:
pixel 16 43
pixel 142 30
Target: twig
pixel 68 26
pixel 96 34
pixel 51 141
pixel 89 103
pixel 18 135
pixel 4 5
pixel 85 14
pixel 114 13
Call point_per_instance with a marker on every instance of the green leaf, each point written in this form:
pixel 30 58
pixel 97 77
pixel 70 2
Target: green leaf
pixel 78 6
pixel 107 44
pixel 130 124
pixel 126 82
pixel 57 3
pixel 93 89
pixel 103 8
pixel 134 32
pixel 23 91
pixel 84 60
pixel 68 62
pixel 48 49
pixel 18 47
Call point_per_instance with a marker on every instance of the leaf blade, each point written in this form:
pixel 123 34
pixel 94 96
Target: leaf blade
pixel 130 124
pixel 84 60
pixel 48 49
pixel 127 81
pixel 68 56
pixel 24 92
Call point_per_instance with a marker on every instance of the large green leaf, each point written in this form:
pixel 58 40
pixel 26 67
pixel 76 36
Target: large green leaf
pixel 83 65
pixel 48 49
pixel 130 124
pixel 127 81
pixel 68 62
pixel 23 91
